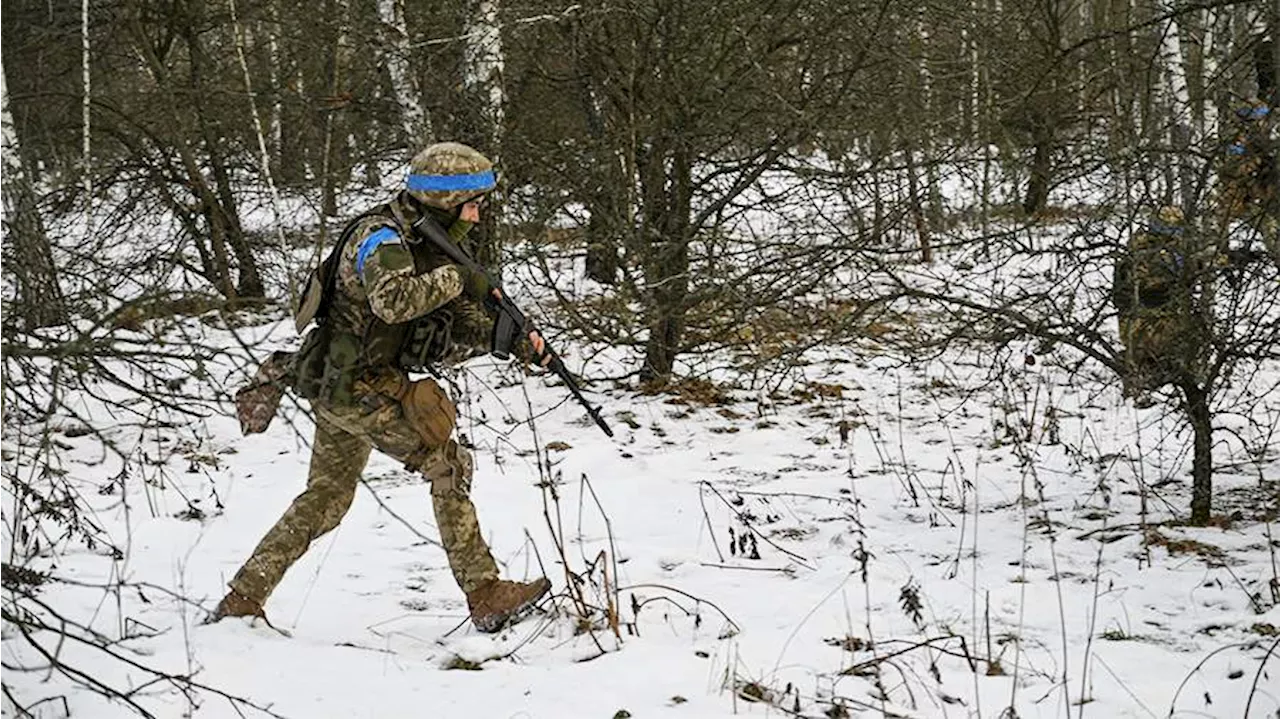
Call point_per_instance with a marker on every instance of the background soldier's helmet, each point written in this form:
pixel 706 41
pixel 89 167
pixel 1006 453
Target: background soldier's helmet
pixel 448 174
pixel 1170 215
pixel 1252 110
pixel 1168 220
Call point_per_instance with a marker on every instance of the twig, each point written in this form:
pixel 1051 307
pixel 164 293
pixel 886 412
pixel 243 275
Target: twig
pixel 396 516
pixel 788 570
pixel 754 531
pixel 1173 703
pixel 1253 690
pixel 650 585
pixel 1125 687
pixel 860 666
pixel 613 556
pixel 702 500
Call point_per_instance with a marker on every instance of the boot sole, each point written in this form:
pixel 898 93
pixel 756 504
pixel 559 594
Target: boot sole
pixel 498 623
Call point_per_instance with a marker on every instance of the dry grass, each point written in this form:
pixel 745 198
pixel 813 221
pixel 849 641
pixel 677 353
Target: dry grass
pixel 1182 545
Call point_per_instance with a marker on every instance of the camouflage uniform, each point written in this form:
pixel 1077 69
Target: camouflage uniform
pixel 1248 170
pixel 1154 291
pixel 386 287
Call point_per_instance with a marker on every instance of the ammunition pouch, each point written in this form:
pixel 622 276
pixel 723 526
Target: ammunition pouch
pixel 327 365
pixel 340 366
pixel 425 405
pixel 427 341
pixel 430 411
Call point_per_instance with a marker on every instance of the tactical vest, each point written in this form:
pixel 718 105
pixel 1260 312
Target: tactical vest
pixel 334 355
pixel 1151 274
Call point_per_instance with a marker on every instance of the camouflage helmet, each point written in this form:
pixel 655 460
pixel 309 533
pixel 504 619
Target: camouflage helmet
pixel 1170 215
pixel 1168 220
pixel 448 174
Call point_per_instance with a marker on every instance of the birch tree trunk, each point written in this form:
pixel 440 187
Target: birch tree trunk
pixel 482 77
pixel 264 155
pixel 484 64
pixel 1211 63
pixel 86 105
pixel 404 85
pixel 986 124
pixel 933 193
pixel 39 302
pixel 275 118
pixel 1178 102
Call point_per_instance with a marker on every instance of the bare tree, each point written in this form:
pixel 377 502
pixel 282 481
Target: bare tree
pixel 699 107
pixel 39 301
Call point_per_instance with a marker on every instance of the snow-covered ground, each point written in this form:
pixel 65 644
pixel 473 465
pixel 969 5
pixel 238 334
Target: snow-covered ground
pixel 871 539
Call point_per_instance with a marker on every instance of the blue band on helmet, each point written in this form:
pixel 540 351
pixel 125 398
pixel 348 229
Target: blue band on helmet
pixel 1159 228
pixel 1235 148
pixel 1253 113
pixel 386 235
pixel 477 181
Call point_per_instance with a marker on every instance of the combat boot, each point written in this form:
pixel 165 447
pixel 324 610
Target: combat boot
pixel 236 604
pixel 498 601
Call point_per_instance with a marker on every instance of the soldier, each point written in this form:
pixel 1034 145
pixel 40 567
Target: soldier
pixel 1155 292
pixel 1248 172
pixel 388 304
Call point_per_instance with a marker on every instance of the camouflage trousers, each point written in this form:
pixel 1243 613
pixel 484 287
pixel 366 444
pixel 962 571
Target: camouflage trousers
pixel 344 438
pixel 1160 347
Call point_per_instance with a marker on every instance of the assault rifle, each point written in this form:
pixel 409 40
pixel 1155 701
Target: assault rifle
pixel 511 325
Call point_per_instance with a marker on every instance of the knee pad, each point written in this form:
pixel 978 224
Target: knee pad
pixel 449 468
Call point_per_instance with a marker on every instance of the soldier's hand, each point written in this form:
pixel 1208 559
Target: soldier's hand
pixel 540 347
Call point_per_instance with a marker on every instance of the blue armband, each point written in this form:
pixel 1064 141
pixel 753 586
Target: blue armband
pixel 383 236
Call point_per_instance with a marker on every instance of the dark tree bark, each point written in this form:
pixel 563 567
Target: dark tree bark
pixel 220 206
pixel 606 208
pixel 39 302
pixel 602 238
pixel 1201 419
pixel 917 206
pixel 1037 197
pixel 668 197
pixel 215 201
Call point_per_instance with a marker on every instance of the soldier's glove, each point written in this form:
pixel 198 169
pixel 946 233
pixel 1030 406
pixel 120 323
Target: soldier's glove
pixel 476 286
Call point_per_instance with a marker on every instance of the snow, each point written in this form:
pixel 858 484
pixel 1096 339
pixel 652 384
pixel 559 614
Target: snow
pixel 864 535
pixel 1034 545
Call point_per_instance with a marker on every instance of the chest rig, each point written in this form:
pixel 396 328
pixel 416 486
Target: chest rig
pixel 349 341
